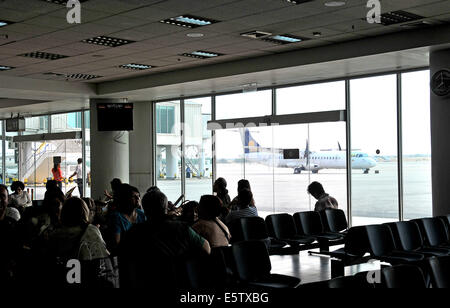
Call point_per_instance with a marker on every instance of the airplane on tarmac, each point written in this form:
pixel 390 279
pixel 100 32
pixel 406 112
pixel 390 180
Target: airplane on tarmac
pixel 304 160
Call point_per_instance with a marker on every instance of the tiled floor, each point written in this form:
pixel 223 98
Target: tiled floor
pixel 311 268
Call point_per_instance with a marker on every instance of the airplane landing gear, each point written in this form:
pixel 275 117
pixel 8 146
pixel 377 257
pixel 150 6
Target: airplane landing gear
pixel 315 171
pixel 366 171
pixel 297 171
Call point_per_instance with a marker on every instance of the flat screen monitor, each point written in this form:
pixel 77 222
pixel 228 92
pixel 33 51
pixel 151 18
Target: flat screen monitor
pixel 114 117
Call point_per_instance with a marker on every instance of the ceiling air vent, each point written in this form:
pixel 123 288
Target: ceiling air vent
pixel 397 17
pixel 43 55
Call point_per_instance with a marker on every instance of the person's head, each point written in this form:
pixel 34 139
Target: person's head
pixel 189 213
pixel 3 200
pixel 115 184
pixel 53 207
pixel 210 207
pixel 127 199
pixel 245 197
pixel 316 189
pixel 74 213
pixel 17 187
pixel 153 188
pixel 155 205
pixel 79 160
pixel 243 184
pixel 51 184
pixel 220 186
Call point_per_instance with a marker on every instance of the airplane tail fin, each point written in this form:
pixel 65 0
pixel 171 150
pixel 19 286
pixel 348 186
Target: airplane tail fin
pixel 306 155
pixel 339 145
pixel 250 144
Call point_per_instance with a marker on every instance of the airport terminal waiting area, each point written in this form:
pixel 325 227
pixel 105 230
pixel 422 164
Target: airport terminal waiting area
pixel 306 249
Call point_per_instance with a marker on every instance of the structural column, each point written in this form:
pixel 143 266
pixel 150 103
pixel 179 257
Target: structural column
pixel 440 141
pixel 109 153
pixel 141 173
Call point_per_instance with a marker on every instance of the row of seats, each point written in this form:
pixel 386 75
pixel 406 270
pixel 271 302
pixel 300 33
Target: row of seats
pixel 287 234
pixel 247 262
pixel 408 242
pixel 398 276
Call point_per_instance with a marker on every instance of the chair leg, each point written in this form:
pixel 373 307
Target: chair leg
pixel 324 245
pixel 337 268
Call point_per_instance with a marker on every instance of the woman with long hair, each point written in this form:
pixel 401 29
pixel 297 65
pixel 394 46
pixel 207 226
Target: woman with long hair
pixel 57 174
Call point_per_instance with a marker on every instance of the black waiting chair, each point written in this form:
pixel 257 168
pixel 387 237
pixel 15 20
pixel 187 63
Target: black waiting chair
pixel 382 246
pixel 310 224
pixel 410 239
pixel 282 227
pixel 236 231
pixel 403 276
pixel 354 252
pixel 254 228
pixel 335 221
pixel 434 231
pixel 253 267
pixel 208 272
pixel 439 268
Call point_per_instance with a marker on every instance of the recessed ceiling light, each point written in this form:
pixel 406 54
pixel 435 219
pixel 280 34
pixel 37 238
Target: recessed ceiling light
pixel 256 34
pixel 298 1
pixel 189 21
pixel 397 17
pixel 4 23
pixel 43 55
pixel 317 34
pixel 200 54
pixel 335 3
pixel 107 41
pixel 61 2
pixel 5 68
pixel 82 76
pixel 135 66
pixel 194 35
pixel 283 39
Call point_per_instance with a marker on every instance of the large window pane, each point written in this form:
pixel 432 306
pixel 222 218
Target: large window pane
pixel 198 151
pixel 66 122
pixel 168 149
pixel 311 98
pixel 87 134
pixel 36 125
pixel 12 159
pixel 244 105
pixel 374 150
pixel 417 200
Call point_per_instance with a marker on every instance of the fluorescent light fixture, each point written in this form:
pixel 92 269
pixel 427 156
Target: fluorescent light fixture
pixel 397 17
pixel 256 34
pixel 61 2
pixel 5 68
pixel 335 3
pixel 82 76
pixel 135 66
pixel 298 1
pixel 4 23
pixel 189 21
pixel 43 55
pixel 200 54
pixel 107 41
pixel 283 39
pixel 195 35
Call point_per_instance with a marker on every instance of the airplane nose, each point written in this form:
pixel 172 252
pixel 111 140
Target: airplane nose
pixel 372 162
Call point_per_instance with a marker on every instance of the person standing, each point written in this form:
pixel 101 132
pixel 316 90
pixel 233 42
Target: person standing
pixel 57 174
pixel 79 173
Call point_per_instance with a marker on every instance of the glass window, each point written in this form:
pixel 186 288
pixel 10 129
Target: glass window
pixel 244 105
pixel 311 98
pixel 374 132
pixel 36 125
pixel 417 201
pixel 66 122
pixel 87 134
pixel 198 148
pixel 11 158
pixel 168 149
